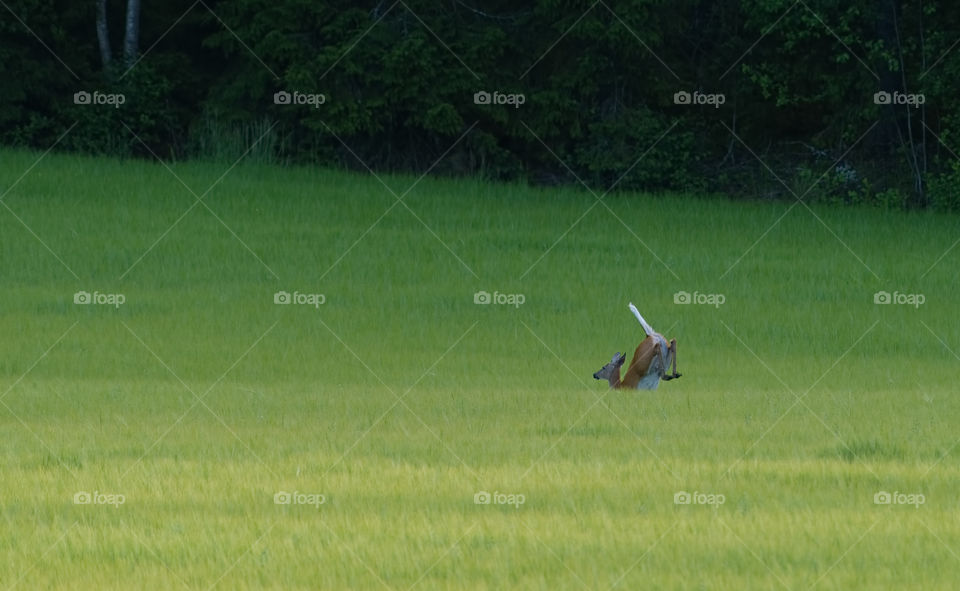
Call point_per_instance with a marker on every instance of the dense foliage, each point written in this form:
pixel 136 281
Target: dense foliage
pixel 758 98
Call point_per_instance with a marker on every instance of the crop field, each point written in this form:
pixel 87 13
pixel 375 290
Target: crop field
pixel 290 378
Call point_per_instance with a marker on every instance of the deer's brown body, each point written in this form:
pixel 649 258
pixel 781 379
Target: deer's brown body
pixel 648 354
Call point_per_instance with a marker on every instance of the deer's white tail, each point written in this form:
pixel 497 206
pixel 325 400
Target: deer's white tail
pixel 646 327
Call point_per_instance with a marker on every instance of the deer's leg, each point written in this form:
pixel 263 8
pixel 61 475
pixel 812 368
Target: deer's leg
pixel 673 354
pixel 671 359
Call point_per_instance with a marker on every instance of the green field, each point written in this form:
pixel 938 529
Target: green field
pixel 147 444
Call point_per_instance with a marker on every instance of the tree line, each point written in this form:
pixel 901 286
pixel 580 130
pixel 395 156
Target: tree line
pixel 818 100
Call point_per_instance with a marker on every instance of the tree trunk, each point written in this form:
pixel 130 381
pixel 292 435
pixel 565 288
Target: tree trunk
pixel 103 35
pixel 132 39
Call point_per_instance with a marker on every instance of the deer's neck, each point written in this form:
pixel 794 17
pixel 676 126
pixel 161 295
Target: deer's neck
pixel 614 379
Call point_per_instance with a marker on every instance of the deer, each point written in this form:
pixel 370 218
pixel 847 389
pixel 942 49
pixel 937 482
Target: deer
pixel 650 362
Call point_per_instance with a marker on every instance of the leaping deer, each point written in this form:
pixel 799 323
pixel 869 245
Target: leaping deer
pixel 649 365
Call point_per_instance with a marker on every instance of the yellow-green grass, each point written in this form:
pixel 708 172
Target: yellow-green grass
pixel 398 399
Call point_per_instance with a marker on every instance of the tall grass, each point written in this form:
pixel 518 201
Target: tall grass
pixel 216 141
pixel 399 399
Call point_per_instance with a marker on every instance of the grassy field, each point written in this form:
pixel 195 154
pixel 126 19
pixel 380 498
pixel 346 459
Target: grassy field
pixel 183 430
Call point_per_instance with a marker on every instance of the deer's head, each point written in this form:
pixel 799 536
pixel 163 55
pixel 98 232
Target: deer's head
pixel 611 369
